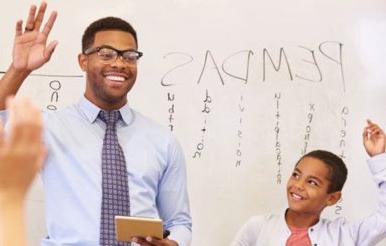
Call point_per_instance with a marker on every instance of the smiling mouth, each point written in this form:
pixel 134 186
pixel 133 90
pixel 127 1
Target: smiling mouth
pixel 115 78
pixel 296 197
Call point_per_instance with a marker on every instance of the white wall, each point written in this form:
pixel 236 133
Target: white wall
pixel 205 48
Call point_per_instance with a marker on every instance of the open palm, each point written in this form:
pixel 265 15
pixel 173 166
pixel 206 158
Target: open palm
pixel 30 49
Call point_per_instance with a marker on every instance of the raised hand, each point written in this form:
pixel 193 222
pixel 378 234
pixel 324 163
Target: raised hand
pixel 373 139
pixel 22 151
pixel 30 50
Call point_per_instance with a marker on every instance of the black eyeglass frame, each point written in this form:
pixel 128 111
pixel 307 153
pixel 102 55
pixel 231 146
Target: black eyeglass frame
pixel 120 53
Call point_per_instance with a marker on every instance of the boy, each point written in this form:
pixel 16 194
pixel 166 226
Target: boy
pixel 316 183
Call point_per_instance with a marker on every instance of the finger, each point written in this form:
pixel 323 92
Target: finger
pixel 31 120
pixel 371 123
pixel 373 131
pixel 19 30
pixel 141 241
pixel 364 133
pixel 27 124
pixel 1 134
pixel 29 26
pixel 377 132
pixel 373 128
pixel 50 49
pixel 50 23
pixel 154 241
pixel 26 112
pixel 39 18
pixel 11 112
pixel 12 116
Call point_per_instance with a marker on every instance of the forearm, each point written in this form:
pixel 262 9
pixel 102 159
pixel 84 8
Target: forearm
pixel 174 210
pixel 377 165
pixel 12 228
pixel 10 83
pixel 371 229
pixel 173 200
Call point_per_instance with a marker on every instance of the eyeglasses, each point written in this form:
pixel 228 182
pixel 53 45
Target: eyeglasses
pixel 109 54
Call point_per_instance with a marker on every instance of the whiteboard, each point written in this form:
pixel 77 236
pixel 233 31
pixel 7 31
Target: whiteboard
pixel 247 86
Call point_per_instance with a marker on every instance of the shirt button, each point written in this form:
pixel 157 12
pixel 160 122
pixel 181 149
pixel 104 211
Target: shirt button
pixel 312 229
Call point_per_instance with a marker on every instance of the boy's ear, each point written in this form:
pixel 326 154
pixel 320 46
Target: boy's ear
pixel 334 198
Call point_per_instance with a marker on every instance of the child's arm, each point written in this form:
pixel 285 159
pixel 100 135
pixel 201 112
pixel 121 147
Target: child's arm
pixel 21 156
pixel 372 229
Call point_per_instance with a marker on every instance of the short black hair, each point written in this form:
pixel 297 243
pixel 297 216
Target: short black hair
pixel 336 166
pixel 105 24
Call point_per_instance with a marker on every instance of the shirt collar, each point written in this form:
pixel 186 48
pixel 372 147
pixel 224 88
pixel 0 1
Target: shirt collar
pixel 91 111
pixel 313 227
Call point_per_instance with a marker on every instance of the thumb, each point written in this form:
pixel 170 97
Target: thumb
pixel 50 50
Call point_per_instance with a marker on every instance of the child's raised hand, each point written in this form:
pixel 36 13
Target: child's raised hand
pixel 374 139
pixel 22 152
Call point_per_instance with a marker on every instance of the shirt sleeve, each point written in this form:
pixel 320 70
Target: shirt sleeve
pixel 172 199
pixel 248 233
pixel 372 229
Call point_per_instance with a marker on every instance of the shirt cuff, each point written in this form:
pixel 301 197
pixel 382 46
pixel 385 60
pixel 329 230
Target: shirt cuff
pixel 377 166
pixel 181 234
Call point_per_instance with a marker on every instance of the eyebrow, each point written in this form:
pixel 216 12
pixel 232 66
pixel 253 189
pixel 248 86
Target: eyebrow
pixel 318 179
pixel 312 177
pixel 297 170
pixel 113 48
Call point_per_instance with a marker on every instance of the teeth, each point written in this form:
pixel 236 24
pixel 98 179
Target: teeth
pixel 296 196
pixel 115 78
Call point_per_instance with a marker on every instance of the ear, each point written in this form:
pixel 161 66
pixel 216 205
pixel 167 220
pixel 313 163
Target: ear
pixel 334 197
pixel 82 60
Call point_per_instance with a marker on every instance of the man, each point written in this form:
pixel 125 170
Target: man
pixel 74 175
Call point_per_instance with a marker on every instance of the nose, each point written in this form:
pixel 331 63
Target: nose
pixel 299 184
pixel 119 62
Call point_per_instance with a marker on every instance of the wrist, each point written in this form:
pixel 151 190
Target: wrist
pixel 375 153
pixel 12 228
pixel 19 71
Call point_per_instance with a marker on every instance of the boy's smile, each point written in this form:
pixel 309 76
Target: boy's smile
pixel 296 196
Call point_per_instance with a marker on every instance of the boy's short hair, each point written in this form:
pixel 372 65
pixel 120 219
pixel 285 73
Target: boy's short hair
pixel 106 24
pixel 336 166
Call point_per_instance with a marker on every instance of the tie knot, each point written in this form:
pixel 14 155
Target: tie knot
pixel 109 117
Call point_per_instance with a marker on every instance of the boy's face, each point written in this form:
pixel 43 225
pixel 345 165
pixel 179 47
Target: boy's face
pixel 307 187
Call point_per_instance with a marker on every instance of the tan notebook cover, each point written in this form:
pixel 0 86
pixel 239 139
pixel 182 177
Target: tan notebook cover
pixel 128 227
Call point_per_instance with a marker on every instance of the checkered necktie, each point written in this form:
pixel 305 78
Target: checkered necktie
pixel 115 191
